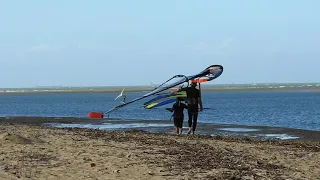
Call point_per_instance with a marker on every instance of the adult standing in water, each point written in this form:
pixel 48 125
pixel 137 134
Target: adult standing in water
pixel 193 100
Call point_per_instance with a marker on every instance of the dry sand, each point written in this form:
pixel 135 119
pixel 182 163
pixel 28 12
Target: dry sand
pixel 36 152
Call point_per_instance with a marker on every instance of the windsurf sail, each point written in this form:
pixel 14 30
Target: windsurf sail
pixel 209 74
pixel 122 95
pixel 172 82
pixel 164 99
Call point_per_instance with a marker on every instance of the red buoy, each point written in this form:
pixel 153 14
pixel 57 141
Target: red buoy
pixel 95 115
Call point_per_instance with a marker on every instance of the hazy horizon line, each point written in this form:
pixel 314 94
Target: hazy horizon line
pixel 153 85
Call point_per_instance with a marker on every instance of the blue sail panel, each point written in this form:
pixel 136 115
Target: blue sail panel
pixel 164 99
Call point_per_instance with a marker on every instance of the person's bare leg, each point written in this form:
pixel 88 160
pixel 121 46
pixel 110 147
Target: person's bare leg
pixel 189 131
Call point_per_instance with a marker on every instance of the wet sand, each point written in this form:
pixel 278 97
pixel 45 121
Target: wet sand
pixel 166 126
pixel 29 150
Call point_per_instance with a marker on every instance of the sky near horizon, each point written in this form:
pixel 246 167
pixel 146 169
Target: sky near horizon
pixel 102 43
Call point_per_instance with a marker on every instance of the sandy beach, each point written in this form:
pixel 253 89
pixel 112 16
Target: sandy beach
pixel 32 151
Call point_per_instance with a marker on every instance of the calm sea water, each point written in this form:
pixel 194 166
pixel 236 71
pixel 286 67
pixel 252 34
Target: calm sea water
pixel 267 108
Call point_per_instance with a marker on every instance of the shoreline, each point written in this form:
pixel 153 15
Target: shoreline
pixel 148 89
pixel 166 126
pixel 38 152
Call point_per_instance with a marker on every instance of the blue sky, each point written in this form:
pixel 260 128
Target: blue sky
pixel 100 42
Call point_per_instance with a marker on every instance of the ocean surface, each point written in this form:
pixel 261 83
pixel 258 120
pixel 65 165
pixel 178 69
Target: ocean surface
pixel 289 109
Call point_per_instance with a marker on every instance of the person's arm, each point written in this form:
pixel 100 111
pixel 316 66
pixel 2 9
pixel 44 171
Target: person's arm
pixel 183 106
pixel 182 89
pixel 171 109
pixel 200 101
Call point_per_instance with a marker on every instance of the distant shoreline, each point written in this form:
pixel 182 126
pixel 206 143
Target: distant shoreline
pixel 113 90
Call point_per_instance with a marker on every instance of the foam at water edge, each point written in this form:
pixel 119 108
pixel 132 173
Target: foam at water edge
pixel 277 136
pixel 280 136
pixel 107 125
pixel 238 129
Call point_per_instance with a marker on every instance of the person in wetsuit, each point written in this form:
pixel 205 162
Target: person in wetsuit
pixel 193 100
pixel 178 115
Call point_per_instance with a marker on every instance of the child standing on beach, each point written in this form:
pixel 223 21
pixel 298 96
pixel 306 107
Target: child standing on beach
pixel 178 115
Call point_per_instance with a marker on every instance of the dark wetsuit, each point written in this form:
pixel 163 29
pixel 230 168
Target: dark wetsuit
pixel 178 115
pixel 192 100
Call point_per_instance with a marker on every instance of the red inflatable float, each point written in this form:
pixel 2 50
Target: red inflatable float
pixel 95 115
